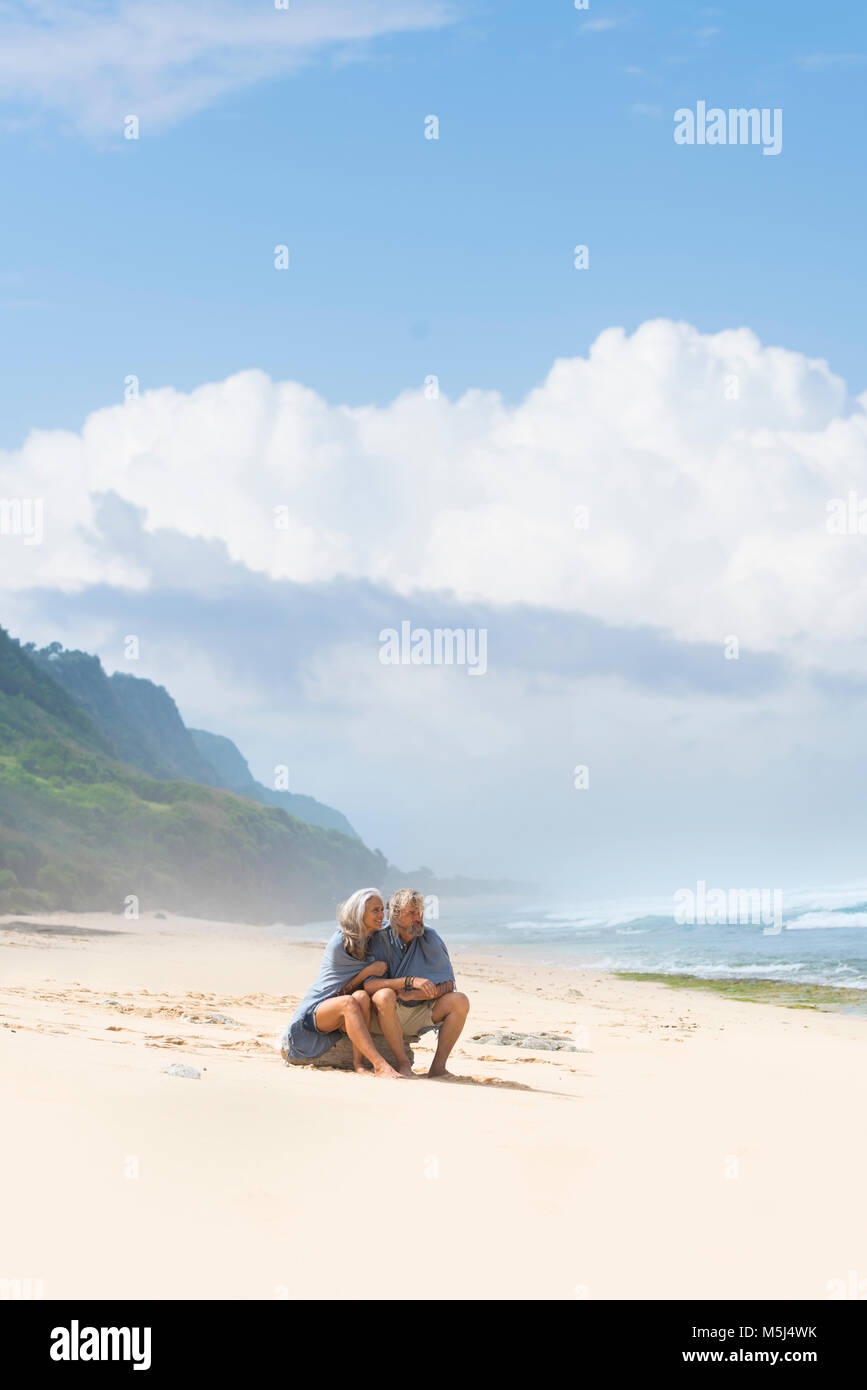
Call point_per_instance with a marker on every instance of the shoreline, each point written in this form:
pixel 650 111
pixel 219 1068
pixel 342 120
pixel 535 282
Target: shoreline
pixel 761 989
pixel 661 1154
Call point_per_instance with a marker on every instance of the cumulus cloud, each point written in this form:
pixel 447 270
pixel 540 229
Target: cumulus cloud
pixel 705 464
pixel 163 61
pixel 199 596
pixel 689 755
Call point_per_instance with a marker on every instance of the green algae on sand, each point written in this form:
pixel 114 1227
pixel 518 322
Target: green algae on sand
pixel 755 990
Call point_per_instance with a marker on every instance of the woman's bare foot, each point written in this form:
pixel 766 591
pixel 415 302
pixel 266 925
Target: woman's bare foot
pixel 383 1069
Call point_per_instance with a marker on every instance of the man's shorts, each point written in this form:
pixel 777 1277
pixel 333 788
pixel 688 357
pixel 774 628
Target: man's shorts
pixel 414 1017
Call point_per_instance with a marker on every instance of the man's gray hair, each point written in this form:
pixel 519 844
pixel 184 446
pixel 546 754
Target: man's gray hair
pixel 402 899
pixel 350 917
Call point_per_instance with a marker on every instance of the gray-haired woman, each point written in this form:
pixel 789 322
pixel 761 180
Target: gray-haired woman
pixel 336 1003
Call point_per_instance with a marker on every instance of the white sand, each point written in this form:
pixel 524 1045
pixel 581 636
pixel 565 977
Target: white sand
pixel 700 1148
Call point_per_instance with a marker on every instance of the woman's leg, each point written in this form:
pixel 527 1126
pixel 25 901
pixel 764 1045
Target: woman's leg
pixel 344 1012
pixel 363 1002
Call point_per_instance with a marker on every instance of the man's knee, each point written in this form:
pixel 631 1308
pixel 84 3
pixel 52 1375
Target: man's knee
pixel 385 999
pixel 455 1005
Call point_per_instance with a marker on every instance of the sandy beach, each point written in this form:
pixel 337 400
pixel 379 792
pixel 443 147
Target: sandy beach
pixel 690 1145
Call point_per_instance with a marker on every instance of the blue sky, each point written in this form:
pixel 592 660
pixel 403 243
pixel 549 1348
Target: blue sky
pixel 412 256
pixel 608 389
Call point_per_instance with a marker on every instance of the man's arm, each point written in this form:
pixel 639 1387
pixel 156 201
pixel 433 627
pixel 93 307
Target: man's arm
pixel 420 988
pixel 447 987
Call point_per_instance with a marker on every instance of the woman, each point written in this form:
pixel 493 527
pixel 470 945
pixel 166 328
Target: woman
pixel 336 1003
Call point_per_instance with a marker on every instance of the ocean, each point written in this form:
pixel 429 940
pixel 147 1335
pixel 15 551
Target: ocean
pixel 820 937
pixel 820 940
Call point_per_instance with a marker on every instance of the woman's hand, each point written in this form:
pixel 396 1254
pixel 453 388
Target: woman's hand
pixel 370 972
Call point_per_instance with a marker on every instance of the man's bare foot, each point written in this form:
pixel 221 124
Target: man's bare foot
pixel 406 1070
pixel 383 1069
pixel 440 1073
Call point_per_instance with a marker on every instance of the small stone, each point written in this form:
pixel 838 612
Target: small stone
pixel 181 1069
pixel 221 1018
pixel 533 1042
pixel 160 915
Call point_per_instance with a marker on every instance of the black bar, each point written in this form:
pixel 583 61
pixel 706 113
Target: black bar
pixel 234 1339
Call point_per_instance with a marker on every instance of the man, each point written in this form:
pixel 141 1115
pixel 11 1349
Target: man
pixel 418 992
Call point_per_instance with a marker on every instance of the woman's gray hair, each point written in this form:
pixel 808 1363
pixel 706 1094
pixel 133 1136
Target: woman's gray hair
pixel 350 917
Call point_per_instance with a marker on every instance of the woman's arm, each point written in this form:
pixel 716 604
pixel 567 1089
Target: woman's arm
pixel 376 968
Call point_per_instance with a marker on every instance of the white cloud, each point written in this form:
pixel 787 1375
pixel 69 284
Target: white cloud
pixel 707 515
pixel 704 36
pixel 600 26
pixel 477 775
pixel 822 62
pixel 164 61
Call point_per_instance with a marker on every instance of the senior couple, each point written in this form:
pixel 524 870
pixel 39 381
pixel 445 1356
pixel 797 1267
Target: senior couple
pixel 393 980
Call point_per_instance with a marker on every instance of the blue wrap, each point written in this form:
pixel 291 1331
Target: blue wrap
pixel 336 970
pixel 425 956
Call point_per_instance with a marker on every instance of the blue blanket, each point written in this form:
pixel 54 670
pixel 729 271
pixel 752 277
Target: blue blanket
pixel 425 955
pixel 336 970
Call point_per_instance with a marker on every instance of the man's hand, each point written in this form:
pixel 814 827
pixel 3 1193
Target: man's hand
pixel 426 989
pixel 415 996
